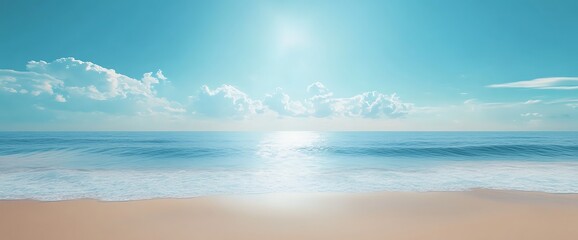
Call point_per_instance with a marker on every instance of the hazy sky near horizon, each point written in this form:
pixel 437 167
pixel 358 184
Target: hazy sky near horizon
pixel 289 65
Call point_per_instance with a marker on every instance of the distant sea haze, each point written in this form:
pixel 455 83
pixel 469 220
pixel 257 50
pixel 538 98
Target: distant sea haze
pixel 142 165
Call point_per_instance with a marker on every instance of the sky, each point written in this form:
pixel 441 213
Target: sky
pixel 408 65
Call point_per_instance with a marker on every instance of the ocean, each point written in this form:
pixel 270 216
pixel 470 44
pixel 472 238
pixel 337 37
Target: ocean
pixel 118 166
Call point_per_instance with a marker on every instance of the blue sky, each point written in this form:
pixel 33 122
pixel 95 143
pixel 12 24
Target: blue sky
pixel 289 65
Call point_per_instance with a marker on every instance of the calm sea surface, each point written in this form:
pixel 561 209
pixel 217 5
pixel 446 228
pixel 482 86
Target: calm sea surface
pixel 143 165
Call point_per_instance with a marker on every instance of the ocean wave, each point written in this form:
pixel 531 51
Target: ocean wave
pixel 511 150
pixel 529 151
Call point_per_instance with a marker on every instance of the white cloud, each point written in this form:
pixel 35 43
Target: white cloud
pixel 9 89
pixel 60 98
pixel 230 101
pixel 28 82
pixel 367 105
pixel 557 83
pixel 317 89
pixel 160 75
pixel 533 101
pixel 370 105
pixel 225 101
pixel 86 84
pixel 531 114
pixel 320 103
pixel 93 81
pixel 281 103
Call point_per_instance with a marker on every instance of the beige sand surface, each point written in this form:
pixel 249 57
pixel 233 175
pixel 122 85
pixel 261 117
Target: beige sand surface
pixel 478 214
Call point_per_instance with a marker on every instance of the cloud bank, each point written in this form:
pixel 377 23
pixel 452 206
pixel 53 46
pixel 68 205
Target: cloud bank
pixel 74 85
pixel 555 83
pixel 227 100
pixel 71 85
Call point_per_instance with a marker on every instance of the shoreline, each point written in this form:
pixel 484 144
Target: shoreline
pixel 224 196
pixel 473 214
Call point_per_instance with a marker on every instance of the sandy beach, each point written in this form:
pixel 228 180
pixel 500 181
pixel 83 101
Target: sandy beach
pixel 477 214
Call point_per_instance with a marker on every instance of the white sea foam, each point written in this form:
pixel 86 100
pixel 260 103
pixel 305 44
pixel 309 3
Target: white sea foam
pixel 59 184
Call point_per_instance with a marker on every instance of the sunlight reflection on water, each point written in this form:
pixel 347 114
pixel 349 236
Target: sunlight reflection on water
pixel 286 163
pixel 288 145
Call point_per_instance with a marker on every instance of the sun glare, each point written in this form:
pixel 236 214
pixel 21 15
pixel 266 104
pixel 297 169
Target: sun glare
pixel 287 144
pixel 288 165
pixel 291 38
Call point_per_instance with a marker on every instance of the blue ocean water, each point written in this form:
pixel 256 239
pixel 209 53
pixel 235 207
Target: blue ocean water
pixel 144 165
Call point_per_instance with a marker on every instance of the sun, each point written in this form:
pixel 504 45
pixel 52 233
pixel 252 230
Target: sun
pixel 291 38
